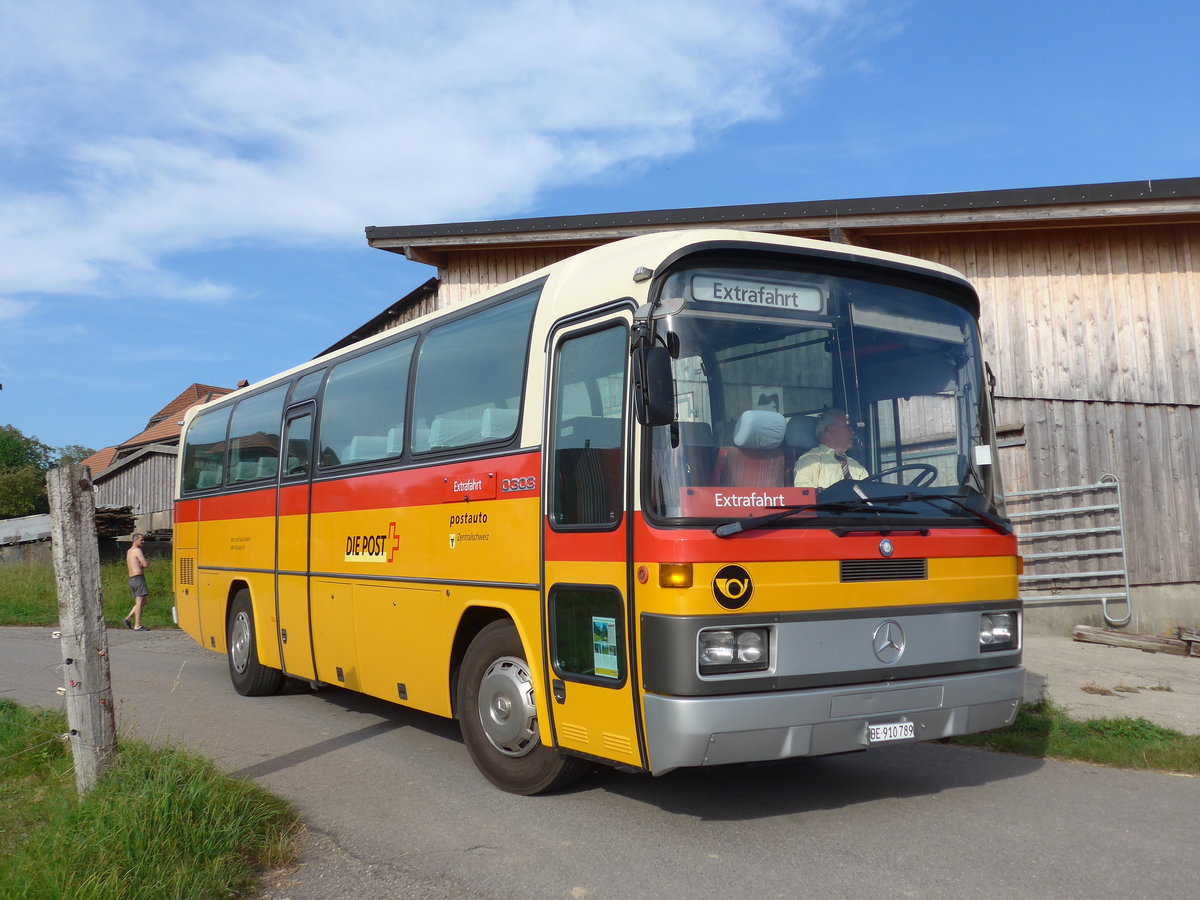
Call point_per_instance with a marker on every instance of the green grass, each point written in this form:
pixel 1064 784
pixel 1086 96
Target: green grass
pixel 160 823
pixel 28 595
pixel 1043 729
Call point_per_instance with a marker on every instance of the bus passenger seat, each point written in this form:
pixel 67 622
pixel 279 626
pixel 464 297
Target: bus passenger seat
pixel 447 432
pixel 365 447
pixel 757 458
pixel 267 466
pixel 801 434
pixel 498 423
pixel 247 470
pixel 395 441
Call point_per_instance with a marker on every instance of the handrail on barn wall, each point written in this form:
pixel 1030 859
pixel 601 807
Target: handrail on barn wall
pixel 1066 564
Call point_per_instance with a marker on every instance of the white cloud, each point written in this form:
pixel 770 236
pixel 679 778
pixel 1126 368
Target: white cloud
pixel 11 310
pixel 141 129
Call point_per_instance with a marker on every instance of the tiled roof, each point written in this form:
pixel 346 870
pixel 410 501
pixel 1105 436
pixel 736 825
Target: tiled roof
pixel 166 424
pixel 100 460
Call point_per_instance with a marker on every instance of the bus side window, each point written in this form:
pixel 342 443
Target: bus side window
pixel 587 475
pixel 458 405
pixel 254 436
pixel 299 446
pixel 586 630
pixel 204 450
pixel 362 412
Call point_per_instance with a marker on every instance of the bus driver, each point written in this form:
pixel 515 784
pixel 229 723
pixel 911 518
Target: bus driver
pixel 827 462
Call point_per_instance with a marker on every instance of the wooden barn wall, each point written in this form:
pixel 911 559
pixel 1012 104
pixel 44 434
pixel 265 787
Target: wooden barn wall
pixel 468 273
pixel 1092 337
pixel 146 485
pixel 1153 450
pixel 1104 314
pixel 427 305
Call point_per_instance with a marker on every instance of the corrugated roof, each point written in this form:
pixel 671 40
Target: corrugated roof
pixel 1018 198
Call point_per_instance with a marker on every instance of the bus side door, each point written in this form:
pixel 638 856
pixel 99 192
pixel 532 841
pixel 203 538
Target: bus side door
pixel 587 619
pixel 292 544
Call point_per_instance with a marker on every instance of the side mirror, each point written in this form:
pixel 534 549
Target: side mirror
pixel 653 386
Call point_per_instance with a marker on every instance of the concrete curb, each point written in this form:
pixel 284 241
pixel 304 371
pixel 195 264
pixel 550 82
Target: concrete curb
pixel 1094 681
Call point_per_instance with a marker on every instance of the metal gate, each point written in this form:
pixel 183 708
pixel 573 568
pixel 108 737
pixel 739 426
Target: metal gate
pixel 1072 541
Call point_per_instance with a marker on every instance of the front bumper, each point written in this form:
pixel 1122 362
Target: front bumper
pixel 710 731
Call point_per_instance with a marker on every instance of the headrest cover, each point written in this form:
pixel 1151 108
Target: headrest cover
pixel 801 432
pixel 759 429
pixel 498 423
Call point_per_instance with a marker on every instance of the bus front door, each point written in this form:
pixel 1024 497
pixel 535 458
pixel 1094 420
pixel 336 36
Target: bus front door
pixel 585 539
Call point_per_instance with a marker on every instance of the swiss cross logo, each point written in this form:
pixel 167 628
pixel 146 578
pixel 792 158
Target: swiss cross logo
pixel 393 542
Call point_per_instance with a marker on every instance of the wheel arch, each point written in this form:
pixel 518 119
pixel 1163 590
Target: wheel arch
pixel 474 620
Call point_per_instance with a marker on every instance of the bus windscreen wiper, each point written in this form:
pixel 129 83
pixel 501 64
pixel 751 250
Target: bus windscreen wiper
pixel 728 529
pixel 987 518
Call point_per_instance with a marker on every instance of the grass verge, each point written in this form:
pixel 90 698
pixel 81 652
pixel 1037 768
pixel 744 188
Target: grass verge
pixel 160 823
pixel 1043 729
pixel 28 595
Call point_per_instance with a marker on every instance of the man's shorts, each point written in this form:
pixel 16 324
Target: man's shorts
pixel 137 586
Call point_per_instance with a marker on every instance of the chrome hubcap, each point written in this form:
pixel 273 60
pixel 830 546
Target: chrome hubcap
pixel 506 707
pixel 239 642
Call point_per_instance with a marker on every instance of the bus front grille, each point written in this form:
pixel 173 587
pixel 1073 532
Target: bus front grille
pixel 855 570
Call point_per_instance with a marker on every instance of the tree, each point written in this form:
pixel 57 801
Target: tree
pixel 24 462
pixel 72 453
pixel 17 450
pixel 22 491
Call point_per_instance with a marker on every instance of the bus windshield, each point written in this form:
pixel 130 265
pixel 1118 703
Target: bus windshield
pixel 841 398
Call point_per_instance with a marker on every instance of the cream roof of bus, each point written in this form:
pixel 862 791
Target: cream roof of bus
pixel 593 277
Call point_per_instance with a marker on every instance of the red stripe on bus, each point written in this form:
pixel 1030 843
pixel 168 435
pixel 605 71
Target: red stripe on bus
pixel 429 486
pixel 250 505
pixel 768 545
pixel 293 500
pixel 187 511
pixel 585 546
pixel 502 478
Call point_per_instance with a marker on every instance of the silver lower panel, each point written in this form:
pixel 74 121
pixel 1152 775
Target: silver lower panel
pixel 710 731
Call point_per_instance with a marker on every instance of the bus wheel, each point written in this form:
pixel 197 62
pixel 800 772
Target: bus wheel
pixel 250 677
pixel 499 719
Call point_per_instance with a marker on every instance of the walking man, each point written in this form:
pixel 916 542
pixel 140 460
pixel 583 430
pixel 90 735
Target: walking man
pixel 135 561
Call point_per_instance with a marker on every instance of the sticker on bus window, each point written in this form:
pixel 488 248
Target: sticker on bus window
pixel 604 646
pixel 741 503
pixel 757 292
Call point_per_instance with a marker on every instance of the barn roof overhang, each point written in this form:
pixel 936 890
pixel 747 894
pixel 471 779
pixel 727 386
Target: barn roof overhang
pixel 125 462
pixel 851 220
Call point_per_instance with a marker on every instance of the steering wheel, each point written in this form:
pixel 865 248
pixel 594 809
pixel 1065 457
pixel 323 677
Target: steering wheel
pixel 927 474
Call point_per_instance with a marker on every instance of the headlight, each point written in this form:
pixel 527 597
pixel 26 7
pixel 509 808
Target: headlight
pixel 997 631
pixel 723 651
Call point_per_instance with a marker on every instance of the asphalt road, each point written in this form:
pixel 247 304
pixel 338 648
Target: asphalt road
pixel 395 808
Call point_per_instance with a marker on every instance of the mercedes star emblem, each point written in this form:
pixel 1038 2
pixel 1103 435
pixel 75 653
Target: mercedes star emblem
pixel 888 642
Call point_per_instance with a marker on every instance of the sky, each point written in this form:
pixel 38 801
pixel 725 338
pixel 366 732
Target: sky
pixel 184 186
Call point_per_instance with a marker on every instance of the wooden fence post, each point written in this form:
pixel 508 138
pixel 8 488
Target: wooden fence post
pixel 86 672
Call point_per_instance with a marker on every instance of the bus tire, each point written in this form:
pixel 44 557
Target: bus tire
pixel 250 677
pixel 498 717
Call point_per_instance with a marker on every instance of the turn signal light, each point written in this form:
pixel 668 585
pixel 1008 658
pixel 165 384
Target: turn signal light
pixel 675 575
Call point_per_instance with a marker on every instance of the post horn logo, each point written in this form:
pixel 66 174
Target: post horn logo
pixel 732 587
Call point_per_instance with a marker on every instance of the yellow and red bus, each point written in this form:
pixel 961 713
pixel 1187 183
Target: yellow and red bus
pixel 570 513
